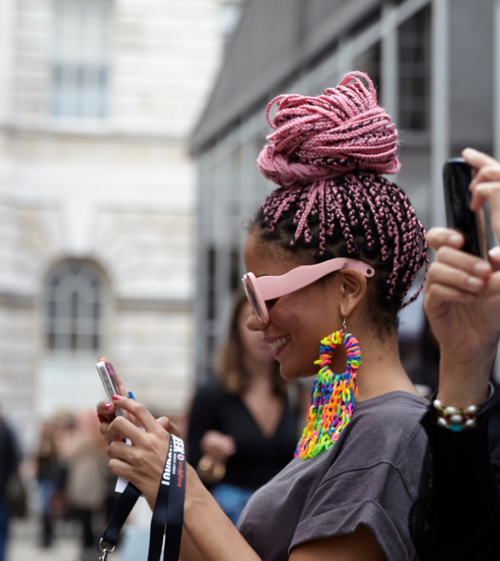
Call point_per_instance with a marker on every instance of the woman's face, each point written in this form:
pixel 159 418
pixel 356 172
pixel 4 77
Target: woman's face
pixel 255 348
pixel 297 321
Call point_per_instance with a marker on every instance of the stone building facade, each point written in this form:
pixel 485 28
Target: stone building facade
pixel 97 198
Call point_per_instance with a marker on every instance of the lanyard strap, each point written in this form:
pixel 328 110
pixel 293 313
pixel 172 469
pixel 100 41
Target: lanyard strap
pixel 160 512
pixel 169 507
pixel 122 509
pixel 176 502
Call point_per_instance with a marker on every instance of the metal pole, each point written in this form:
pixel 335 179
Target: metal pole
pixel 389 61
pixel 496 78
pixel 496 115
pixel 202 245
pixel 440 135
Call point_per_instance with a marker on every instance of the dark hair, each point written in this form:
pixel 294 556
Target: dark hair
pixel 327 154
pixel 230 366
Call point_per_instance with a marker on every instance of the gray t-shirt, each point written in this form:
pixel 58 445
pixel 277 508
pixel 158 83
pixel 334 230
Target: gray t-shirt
pixel 370 477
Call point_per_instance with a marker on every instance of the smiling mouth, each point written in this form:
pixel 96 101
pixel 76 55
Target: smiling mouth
pixel 277 343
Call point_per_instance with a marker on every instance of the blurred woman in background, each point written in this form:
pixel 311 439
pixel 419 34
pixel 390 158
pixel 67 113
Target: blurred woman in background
pixel 46 472
pixel 86 485
pixel 243 428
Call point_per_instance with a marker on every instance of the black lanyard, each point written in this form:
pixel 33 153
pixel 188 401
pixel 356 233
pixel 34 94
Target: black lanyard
pixel 169 507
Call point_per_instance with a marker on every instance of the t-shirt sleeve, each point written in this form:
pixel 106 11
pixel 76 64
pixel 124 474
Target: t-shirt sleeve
pixel 375 497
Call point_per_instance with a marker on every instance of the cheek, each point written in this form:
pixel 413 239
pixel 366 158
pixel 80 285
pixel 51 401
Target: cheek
pixel 305 331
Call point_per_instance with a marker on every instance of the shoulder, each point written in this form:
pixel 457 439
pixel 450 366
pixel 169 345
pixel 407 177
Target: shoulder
pixel 392 413
pixel 385 429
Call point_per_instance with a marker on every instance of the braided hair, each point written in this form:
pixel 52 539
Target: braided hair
pixel 327 154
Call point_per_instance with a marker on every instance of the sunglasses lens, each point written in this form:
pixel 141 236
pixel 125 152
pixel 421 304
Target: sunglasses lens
pixel 253 299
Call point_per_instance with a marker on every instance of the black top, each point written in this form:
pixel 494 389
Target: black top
pixel 258 458
pixel 9 455
pixel 457 512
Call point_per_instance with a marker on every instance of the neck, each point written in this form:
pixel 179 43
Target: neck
pixel 381 370
pixel 259 372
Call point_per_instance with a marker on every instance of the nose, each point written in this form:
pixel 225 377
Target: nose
pixel 253 322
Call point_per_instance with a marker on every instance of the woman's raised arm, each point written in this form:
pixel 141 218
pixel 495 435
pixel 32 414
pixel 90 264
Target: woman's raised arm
pixel 462 297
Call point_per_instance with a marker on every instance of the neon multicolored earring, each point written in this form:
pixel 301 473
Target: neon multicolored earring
pixel 332 399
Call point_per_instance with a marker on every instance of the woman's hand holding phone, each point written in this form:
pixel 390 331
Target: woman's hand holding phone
pixel 462 296
pixel 143 462
pixel 106 411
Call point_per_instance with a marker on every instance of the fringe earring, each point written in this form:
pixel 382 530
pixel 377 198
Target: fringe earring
pixel 332 400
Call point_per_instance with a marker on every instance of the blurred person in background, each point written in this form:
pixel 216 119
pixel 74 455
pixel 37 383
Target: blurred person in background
pixel 9 462
pixel 243 426
pixel 86 485
pixel 46 472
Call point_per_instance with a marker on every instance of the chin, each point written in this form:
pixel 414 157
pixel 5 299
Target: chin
pixel 293 373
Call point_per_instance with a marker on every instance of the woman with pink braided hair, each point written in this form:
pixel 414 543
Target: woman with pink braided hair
pixel 332 254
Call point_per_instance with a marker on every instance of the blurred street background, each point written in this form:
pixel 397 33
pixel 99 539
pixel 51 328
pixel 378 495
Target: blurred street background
pixel 129 131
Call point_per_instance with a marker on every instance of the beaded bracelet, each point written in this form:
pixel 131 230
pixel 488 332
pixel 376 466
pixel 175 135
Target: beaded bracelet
pixel 455 419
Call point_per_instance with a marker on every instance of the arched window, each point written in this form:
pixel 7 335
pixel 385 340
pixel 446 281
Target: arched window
pixel 75 299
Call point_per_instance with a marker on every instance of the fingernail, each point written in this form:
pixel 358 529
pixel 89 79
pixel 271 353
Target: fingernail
pixel 101 418
pixel 494 252
pixel 473 282
pixel 482 268
pixel 107 406
pixel 455 239
pixel 116 397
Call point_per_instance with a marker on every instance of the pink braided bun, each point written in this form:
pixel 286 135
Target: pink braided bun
pixel 317 138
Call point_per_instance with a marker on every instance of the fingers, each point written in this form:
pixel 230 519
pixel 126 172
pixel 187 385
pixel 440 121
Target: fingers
pixel 218 445
pixel 453 279
pixel 107 410
pixel 492 287
pixel 167 425
pixel 439 294
pixel 488 192
pixel 121 451
pixel 464 265
pixel 486 185
pixel 494 255
pixel 138 411
pixel 122 427
pixel 478 159
pixel 121 468
pixel 486 174
pixel 438 237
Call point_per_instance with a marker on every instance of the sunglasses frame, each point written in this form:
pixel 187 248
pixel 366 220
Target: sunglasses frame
pixel 272 287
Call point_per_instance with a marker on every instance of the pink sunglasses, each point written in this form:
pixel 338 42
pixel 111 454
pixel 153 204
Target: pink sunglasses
pixel 259 290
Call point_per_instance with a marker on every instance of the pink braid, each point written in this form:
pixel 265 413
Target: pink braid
pixel 321 137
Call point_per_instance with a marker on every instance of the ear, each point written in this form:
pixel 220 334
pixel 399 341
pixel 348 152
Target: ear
pixel 353 285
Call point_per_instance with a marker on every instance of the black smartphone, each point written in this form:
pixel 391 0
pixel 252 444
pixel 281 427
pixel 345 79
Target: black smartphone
pixel 457 176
